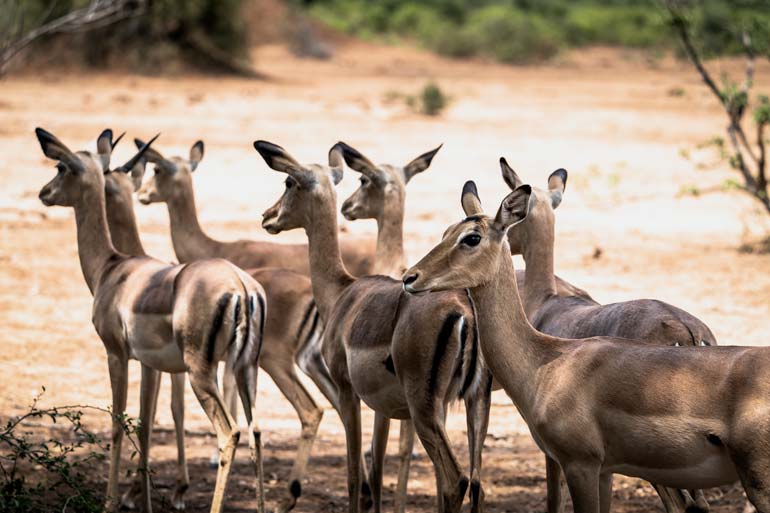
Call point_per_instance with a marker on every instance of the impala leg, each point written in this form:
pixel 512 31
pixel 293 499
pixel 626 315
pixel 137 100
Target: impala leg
pixel 379 445
pixel 405 448
pixel 583 482
pixel 673 500
pixel 351 419
pixel 318 372
pixel 149 386
pixel 148 401
pixel 553 485
pixel 246 378
pixel 430 428
pixel 118 366
pixel 310 416
pixel 477 418
pixel 701 504
pixel 230 392
pixel 177 411
pixel 605 492
pixel 204 384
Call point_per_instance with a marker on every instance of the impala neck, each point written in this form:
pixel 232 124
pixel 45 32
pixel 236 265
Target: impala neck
pixel 539 280
pixel 187 236
pixel 95 247
pixel 327 272
pixel 389 259
pixel 123 230
pixel 512 348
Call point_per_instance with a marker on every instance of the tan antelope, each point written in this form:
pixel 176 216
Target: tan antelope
pixel 405 357
pixel 292 327
pixel 572 313
pixel 172 184
pixel 119 184
pixel 603 406
pixel 183 318
pixel 382 197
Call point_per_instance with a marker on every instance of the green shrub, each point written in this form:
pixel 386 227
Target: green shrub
pixel 432 100
pixel 513 36
pixel 53 473
pixel 531 30
pixel 639 27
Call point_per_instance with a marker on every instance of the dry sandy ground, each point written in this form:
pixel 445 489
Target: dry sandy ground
pixel 608 118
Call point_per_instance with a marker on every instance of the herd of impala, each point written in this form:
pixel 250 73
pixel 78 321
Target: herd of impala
pixel 622 388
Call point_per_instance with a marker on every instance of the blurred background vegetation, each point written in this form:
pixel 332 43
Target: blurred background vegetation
pixel 527 31
pixel 173 33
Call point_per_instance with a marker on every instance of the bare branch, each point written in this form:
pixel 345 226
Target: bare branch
pixel 740 165
pixel 762 161
pixel 680 24
pixel 96 14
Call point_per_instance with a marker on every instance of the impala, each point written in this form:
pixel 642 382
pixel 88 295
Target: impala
pixel 174 319
pixel 406 357
pixel 572 313
pixel 602 406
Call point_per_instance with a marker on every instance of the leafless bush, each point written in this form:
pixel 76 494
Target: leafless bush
pixel 17 31
pixel 747 157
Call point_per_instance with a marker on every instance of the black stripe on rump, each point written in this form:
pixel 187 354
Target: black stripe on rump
pixel 305 318
pixel 262 314
pixel 312 329
pixel 470 373
pixel 441 344
pixel 247 328
pixel 216 325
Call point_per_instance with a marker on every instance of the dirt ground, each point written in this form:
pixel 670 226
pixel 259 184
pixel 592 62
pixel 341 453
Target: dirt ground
pixel 625 128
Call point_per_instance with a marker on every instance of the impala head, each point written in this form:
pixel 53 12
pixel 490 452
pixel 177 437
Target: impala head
pixel 380 185
pixel 470 251
pixel 171 174
pixel 540 219
pixel 121 182
pixel 307 187
pixel 78 172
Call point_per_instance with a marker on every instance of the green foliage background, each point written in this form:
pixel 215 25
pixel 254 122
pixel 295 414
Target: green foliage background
pixel 511 31
pixel 523 31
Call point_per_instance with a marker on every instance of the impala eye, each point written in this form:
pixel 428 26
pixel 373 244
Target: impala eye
pixel 363 180
pixel 289 183
pixel 61 167
pixel 471 240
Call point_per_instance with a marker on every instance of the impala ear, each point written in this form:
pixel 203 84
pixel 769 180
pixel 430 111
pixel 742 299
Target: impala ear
pixel 104 147
pixel 336 160
pixel 54 149
pixel 355 160
pixel 154 156
pixel 470 199
pixel 515 207
pixel 280 160
pixel 557 183
pixel 136 165
pixel 196 155
pixel 509 175
pixel 419 164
